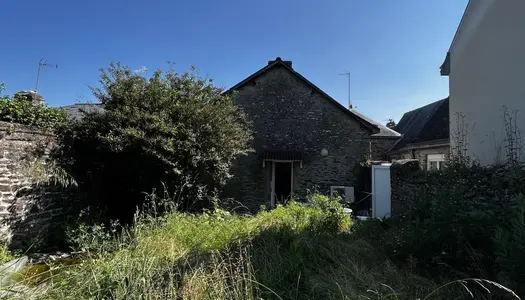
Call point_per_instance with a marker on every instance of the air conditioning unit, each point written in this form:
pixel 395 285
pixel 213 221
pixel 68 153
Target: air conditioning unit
pixel 345 192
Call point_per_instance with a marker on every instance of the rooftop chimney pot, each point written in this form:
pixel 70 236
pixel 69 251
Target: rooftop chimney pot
pixel 286 62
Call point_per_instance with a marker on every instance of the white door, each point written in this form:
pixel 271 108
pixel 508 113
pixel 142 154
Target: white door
pixel 381 191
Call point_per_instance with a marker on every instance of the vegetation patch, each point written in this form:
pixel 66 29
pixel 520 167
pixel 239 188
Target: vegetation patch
pixel 296 251
pixel 18 109
pixel 165 131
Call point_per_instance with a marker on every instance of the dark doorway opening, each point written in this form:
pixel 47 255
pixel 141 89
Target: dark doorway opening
pixel 283 181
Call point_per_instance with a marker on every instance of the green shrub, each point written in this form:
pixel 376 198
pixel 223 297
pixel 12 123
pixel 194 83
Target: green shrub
pixel 450 218
pixel 176 129
pixel 510 241
pixel 448 231
pixel 322 214
pixel 21 111
pixel 98 237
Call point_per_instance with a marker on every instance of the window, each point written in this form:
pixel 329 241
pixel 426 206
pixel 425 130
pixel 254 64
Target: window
pixel 345 192
pixel 435 161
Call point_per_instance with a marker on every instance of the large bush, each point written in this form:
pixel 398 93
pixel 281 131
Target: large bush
pixel 173 131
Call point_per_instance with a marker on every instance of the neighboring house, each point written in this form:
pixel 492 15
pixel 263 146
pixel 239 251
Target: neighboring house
pixel 303 138
pixel 76 111
pixel 485 65
pixel 425 135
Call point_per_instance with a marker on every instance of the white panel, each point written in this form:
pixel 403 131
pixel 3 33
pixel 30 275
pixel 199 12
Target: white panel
pixel 349 194
pixel 381 205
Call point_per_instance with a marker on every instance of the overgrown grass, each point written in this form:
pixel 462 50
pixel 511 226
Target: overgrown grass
pixel 292 252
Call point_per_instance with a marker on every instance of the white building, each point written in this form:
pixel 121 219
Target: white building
pixel 486 69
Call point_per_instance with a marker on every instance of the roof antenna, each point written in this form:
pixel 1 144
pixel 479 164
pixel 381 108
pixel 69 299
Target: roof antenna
pixel 349 101
pixel 41 65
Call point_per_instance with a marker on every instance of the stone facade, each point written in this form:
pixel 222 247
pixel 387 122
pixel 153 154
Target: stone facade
pixel 289 114
pixel 379 148
pixel 27 208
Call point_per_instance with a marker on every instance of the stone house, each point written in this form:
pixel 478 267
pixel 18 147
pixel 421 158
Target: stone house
pixel 425 135
pixel 304 140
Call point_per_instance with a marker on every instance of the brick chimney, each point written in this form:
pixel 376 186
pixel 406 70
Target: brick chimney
pixel 286 62
pixel 32 96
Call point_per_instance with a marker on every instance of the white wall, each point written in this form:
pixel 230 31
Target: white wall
pixel 487 71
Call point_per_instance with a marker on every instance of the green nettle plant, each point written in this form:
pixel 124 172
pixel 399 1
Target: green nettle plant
pixel 169 130
pixel 18 109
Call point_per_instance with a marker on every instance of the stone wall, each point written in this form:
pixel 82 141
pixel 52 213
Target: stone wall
pixel 28 205
pixel 288 114
pixel 380 147
pixel 491 188
pixel 421 154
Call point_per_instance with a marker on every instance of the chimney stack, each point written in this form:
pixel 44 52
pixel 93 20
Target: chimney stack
pixel 286 62
pixel 32 96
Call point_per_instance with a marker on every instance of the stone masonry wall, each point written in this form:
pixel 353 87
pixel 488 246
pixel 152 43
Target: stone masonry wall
pixel 22 206
pixel 380 147
pixel 421 154
pixel 288 114
pixel 492 189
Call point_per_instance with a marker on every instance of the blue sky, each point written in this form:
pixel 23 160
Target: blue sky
pixel 392 48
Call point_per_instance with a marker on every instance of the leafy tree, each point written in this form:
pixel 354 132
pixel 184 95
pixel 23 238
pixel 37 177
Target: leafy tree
pixel 172 129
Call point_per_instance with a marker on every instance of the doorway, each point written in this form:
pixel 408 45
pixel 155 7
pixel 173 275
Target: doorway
pixel 282 182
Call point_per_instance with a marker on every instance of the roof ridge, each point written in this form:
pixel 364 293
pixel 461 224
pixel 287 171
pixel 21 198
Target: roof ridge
pixel 431 103
pixel 82 103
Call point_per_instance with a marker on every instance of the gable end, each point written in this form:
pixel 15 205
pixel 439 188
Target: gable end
pixel 278 62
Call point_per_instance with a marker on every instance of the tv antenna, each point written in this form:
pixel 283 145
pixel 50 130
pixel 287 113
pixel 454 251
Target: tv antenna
pixel 349 101
pixel 41 65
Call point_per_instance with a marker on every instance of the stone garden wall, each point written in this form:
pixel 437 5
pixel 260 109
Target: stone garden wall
pixel 30 208
pixel 492 188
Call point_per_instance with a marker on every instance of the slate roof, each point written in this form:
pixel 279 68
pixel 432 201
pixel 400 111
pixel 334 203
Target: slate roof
pixel 75 111
pixel 426 124
pixel 377 129
pixel 383 130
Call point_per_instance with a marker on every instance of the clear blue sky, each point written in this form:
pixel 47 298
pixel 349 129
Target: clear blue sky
pixel 392 48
